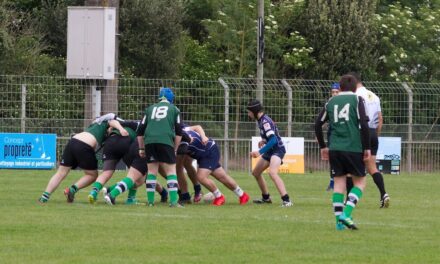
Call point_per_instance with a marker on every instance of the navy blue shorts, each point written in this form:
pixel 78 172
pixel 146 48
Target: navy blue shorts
pixel 280 152
pixel 211 160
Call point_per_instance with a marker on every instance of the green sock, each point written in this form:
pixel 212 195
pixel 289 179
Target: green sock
pixel 172 188
pixel 45 197
pixel 338 204
pixel 151 187
pixel 121 187
pixel 353 197
pixel 96 188
pixel 132 193
pixel 73 188
pixel 109 189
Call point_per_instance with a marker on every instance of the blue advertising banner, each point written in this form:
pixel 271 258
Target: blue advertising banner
pixel 388 155
pixel 27 151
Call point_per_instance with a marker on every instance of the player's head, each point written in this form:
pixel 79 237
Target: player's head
pixel 254 107
pixel 358 78
pixel 348 83
pixel 335 88
pixel 166 93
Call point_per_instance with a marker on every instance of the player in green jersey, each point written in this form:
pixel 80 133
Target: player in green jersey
pixel 115 147
pixel 349 146
pixel 80 152
pixel 159 136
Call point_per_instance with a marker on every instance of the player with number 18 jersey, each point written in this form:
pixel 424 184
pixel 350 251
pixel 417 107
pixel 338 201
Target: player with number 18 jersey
pixel 161 119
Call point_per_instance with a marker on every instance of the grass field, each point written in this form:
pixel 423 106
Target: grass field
pixel 407 232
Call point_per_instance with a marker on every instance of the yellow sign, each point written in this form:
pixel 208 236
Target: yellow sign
pixel 293 161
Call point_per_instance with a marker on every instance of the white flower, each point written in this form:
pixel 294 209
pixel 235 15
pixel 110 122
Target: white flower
pixel 384 26
pixel 383 58
pixel 221 13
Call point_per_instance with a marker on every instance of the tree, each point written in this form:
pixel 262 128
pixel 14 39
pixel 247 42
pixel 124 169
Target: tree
pixel 151 33
pixel 20 45
pixel 343 37
pixel 409 43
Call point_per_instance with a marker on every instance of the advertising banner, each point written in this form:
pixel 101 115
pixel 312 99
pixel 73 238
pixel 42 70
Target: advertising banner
pixel 27 151
pixel 388 155
pixel 293 161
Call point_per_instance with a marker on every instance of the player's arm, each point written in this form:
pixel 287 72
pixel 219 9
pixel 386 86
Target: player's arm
pixel 380 123
pixel 179 133
pixel 272 141
pixel 199 129
pixel 131 124
pixel 117 125
pixel 140 136
pixel 106 117
pixel 319 122
pixel 365 132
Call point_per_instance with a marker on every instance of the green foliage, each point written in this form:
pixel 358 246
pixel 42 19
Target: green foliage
pixel 23 46
pixel 206 39
pixel 195 12
pixel 150 37
pixel 409 44
pixel 343 37
pixel 198 62
pixel 232 36
pixel 287 51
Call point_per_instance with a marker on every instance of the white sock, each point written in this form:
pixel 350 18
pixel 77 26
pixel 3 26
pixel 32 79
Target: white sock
pixel 238 191
pixel 217 193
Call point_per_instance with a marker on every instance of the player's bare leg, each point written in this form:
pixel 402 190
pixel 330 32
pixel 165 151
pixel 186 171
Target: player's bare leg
pixel 54 182
pixel 202 177
pixel 257 172
pixel 88 178
pixel 275 163
pixel 221 175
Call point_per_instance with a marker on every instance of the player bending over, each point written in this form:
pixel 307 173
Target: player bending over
pixel 207 155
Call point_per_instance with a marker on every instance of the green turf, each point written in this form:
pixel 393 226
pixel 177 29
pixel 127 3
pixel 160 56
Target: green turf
pixel 407 232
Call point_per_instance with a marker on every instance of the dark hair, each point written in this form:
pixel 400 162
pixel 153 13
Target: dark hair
pixel 255 107
pixel 348 83
pixel 356 75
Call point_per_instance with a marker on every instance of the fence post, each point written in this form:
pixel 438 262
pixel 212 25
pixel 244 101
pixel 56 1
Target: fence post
pixel 23 108
pixel 226 127
pixel 410 124
pixel 96 101
pixel 289 106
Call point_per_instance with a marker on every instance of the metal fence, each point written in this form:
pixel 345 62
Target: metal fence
pixel 64 106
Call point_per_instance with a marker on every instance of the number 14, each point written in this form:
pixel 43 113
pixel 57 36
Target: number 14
pixel 343 114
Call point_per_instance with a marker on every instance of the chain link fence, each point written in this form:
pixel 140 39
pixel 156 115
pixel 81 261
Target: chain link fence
pixel 47 104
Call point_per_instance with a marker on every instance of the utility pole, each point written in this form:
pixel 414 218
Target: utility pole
pixel 260 50
pixel 109 92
